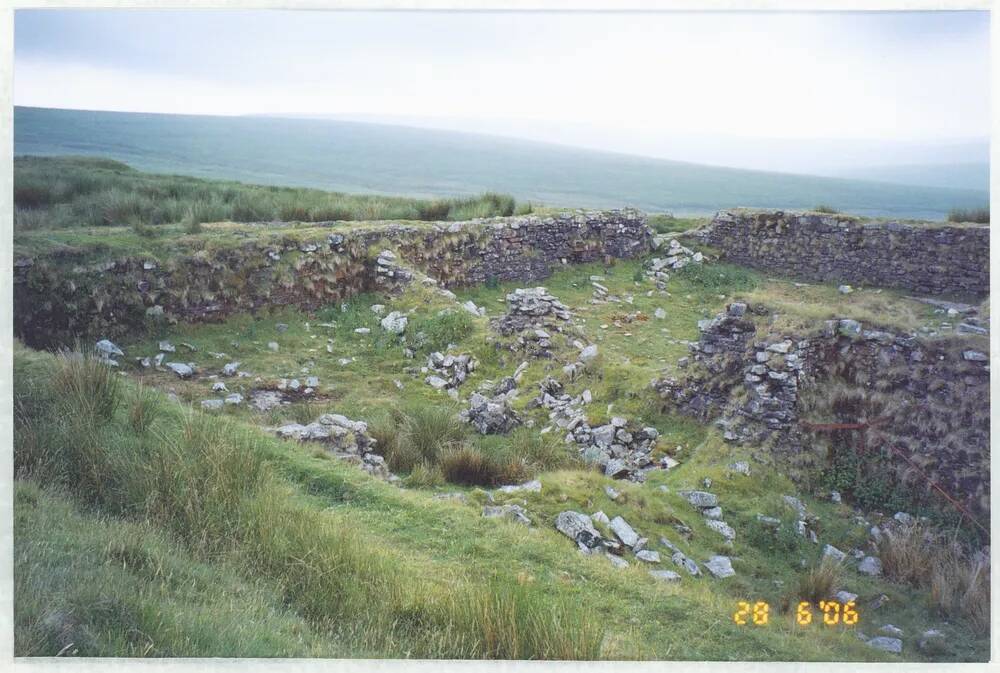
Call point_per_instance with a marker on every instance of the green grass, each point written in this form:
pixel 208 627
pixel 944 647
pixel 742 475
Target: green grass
pixel 977 215
pixel 435 578
pixel 354 157
pixel 73 192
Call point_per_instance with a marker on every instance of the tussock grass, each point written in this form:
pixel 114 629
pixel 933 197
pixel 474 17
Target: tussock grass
pixel 977 215
pixel 89 388
pixel 143 408
pixel 68 192
pixel 959 585
pixel 819 582
pixel 205 481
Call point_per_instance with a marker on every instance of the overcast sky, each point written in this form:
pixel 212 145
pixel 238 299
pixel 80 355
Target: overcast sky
pixel 613 80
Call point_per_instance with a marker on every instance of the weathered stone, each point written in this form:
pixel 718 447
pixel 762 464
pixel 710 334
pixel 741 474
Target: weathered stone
pixel 848 249
pixel 395 322
pixel 891 630
pixel 683 561
pixel 701 499
pixel 182 370
pixel 579 528
pixel 886 644
pixel 648 556
pixel 870 565
pixel 623 531
pixel 515 513
pixel 722 528
pixel 834 553
pixel 720 567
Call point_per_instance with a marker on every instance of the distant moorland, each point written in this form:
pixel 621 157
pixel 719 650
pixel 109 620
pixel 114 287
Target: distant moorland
pixel 382 159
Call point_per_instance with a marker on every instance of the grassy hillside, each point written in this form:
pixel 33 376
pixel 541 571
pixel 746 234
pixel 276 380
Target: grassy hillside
pixel 72 192
pixel 951 175
pixel 146 526
pixel 371 158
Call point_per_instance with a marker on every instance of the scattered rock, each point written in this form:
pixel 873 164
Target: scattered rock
pixel 471 307
pixel 515 513
pixel 624 532
pixel 182 370
pixel 701 499
pixel 395 322
pixel 834 553
pixel 683 561
pixel 870 565
pixel 272 346
pixel 648 556
pixel 579 528
pixel 452 370
pixel 211 405
pixel 886 644
pixel 712 513
pixel 891 630
pixel 720 567
pixel 722 528
pixel 491 416
pixel 108 350
pixel 265 400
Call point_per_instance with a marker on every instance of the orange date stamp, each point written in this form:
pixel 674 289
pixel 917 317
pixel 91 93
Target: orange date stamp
pixel 828 613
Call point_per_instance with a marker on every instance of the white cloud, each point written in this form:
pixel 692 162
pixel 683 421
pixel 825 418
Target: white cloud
pixel 652 75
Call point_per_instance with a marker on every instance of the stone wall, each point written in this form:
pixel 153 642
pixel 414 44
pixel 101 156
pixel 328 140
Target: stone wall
pixel 924 258
pixel 931 397
pixel 86 293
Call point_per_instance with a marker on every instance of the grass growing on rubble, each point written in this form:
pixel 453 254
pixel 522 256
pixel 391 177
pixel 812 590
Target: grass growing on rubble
pixel 346 565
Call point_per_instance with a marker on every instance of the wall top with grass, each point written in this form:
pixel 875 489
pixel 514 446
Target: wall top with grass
pixel 101 284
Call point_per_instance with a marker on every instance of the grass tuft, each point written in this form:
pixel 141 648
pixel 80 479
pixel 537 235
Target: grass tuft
pixel 977 215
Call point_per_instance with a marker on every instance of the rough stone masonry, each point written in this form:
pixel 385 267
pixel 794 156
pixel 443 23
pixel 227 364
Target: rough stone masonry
pixel 922 257
pixel 65 295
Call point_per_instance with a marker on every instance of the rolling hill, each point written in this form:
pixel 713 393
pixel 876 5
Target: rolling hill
pixel 377 158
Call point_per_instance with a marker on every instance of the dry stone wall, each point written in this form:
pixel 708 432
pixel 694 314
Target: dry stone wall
pixel 85 294
pixel 924 258
pixel 929 398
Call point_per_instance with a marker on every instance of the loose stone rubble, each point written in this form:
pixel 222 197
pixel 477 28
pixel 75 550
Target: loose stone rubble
pixel 515 513
pixel 449 371
pixel 677 257
pixel 533 315
pixel 345 438
pixel 491 416
pixel 621 450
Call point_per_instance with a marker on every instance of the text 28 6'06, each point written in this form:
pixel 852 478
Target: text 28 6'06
pixel 827 613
